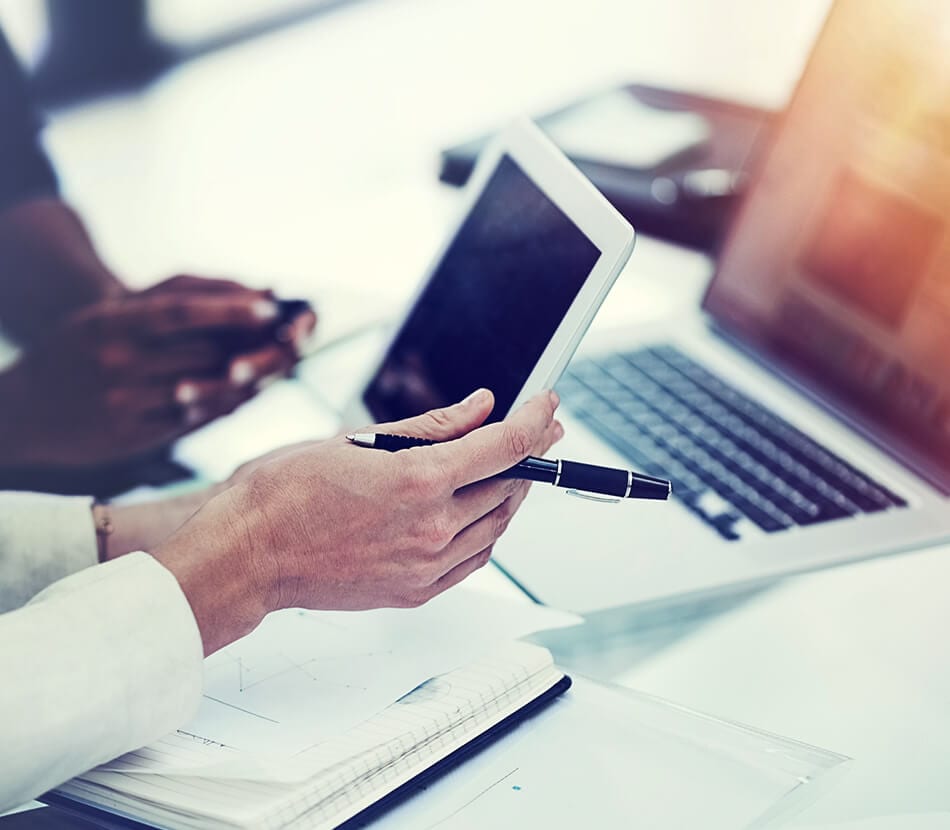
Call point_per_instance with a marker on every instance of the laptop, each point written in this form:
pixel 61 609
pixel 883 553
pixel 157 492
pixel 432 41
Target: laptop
pixel 803 413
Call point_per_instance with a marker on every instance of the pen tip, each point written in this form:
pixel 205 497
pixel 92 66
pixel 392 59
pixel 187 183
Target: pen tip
pixel 350 436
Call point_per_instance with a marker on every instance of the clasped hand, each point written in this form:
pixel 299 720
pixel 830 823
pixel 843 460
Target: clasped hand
pixel 131 373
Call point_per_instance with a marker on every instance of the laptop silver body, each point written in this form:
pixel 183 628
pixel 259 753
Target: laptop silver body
pixel 829 309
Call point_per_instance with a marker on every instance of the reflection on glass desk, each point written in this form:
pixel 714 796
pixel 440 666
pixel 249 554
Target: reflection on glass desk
pixel 854 659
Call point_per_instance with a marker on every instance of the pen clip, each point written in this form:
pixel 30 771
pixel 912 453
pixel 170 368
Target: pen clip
pixel 592 497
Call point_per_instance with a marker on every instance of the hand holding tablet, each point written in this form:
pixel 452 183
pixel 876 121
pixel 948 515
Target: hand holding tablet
pixel 511 293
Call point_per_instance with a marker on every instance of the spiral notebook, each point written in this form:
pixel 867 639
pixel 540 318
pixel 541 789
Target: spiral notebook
pixel 181 782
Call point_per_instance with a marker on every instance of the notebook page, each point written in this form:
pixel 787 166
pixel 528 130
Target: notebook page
pixel 303 677
pixel 429 724
pixel 430 710
pixel 350 800
pixel 414 734
pixel 178 750
pixel 408 736
pixel 418 715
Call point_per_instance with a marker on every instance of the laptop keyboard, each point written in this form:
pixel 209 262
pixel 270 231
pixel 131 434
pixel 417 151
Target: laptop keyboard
pixel 732 462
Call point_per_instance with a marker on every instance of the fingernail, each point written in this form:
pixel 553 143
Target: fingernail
pixel 300 348
pixel 302 341
pixel 241 373
pixel 264 309
pixel 186 393
pixel 478 396
pixel 555 398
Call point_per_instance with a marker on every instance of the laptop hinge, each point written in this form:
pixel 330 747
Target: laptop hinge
pixel 887 440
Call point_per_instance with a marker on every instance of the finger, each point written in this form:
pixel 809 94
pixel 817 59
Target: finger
pixel 251 367
pixel 135 401
pixel 460 572
pixel 446 423
pixel 177 360
pixel 553 434
pixel 484 531
pixel 210 394
pixel 200 413
pixel 298 332
pixel 125 361
pixel 476 500
pixel 472 502
pixel 165 315
pixel 207 285
pixel 486 451
pixel 153 415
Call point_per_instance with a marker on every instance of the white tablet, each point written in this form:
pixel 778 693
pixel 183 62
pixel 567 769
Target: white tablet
pixel 512 291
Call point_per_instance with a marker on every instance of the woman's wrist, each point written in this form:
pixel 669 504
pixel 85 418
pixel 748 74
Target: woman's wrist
pixel 212 557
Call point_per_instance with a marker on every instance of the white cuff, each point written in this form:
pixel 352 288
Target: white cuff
pixel 42 539
pixel 100 663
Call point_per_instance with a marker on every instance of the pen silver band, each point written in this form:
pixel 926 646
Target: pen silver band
pixel 557 477
pixel 626 493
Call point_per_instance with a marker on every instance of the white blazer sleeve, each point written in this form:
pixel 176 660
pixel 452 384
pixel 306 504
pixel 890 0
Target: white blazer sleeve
pixel 100 663
pixel 42 538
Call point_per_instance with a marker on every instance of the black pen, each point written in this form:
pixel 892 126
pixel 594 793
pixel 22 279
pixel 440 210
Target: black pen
pixel 582 478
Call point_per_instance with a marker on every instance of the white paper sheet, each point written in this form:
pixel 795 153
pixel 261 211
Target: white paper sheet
pixel 602 758
pixel 302 677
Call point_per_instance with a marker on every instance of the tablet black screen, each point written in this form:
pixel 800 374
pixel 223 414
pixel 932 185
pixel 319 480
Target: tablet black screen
pixel 491 306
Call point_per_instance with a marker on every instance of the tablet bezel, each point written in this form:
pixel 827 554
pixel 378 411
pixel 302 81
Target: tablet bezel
pixel 556 177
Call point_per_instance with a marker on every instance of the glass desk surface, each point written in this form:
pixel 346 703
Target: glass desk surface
pixel 853 659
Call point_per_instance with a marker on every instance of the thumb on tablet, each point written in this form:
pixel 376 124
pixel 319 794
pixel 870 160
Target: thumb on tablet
pixel 445 423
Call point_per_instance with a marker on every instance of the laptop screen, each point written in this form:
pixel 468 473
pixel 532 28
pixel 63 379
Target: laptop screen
pixel 838 265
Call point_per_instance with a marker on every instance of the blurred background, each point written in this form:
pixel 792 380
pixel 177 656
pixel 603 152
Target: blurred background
pixel 297 143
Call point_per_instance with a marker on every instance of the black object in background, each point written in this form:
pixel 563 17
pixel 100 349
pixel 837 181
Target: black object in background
pixel 103 481
pixel 690 196
pixel 97 46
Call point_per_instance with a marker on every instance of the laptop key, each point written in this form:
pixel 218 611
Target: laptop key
pixel 822 461
pixel 635 441
pixel 674 418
